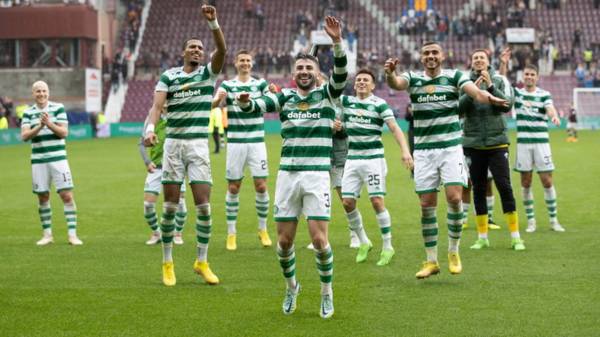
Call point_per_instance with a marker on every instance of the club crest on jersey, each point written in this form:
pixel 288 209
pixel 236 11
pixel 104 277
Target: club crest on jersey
pixel 443 81
pixel 254 88
pixel 371 108
pixel 303 106
pixel 317 96
pixel 430 89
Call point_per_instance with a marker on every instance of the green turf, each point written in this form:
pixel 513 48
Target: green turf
pixel 112 286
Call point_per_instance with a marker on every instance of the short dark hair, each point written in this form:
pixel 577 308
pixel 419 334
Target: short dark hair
pixel 481 50
pixel 429 43
pixel 242 52
pixel 531 67
pixel 185 43
pixel 304 56
pixel 366 71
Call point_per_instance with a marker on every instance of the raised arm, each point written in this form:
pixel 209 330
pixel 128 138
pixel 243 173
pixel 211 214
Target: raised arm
pixel 483 96
pixel 267 103
pixel 218 57
pixel 219 98
pixel 337 81
pixel 498 87
pixel 393 81
pixel 504 59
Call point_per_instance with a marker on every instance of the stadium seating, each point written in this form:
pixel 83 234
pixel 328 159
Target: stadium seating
pixel 168 25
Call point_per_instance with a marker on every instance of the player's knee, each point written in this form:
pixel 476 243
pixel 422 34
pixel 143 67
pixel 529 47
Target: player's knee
pixel 349 204
pixel 260 187
pixel 378 204
pixel 285 241
pixel 454 198
pixel 203 209
pixel 43 198
pixel 149 206
pixel 319 240
pixel 169 207
pixel 67 197
pixel 234 188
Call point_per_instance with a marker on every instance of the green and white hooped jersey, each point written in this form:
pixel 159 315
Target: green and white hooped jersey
pixel 532 120
pixel 435 107
pixel 46 147
pixel 306 121
pixel 189 97
pixel 363 121
pixel 244 127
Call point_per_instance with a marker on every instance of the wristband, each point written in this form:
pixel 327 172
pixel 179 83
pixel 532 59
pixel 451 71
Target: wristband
pixel 149 128
pixel 213 24
pixel 490 89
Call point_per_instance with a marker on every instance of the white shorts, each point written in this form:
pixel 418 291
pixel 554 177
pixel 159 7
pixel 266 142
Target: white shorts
pixel 357 172
pixel 153 185
pixel 241 154
pixel 536 155
pixel 302 192
pixel 436 166
pixel 336 174
pixel 57 172
pixel 186 155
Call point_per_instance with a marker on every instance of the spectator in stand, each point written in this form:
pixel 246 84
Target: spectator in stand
pixel 3 120
pixel 351 35
pixel 588 82
pixel 442 29
pixel 588 57
pixel 248 8
pixel 577 38
pixel 260 16
pixel 114 76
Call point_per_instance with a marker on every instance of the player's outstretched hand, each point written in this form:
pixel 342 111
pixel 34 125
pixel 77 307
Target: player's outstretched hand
pixel 273 88
pixel 244 97
pixel 498 101
pixel 390 65
pixel 408 161
pixel 333 28
pixel 556 120
pixel 221 95
pixel 150 139
pixel 209 12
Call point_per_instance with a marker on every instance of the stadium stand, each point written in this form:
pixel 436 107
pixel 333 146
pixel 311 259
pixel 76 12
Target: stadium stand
pixel 378 22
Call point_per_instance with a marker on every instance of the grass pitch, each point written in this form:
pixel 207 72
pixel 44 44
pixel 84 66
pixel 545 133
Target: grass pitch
pixel 111 286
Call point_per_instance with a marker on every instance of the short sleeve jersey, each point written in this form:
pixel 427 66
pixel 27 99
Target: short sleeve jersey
pixel 363 120
pixel 244 127
pixel 46 147
pixel 435 107
pixel 532 120
pixel 189 98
